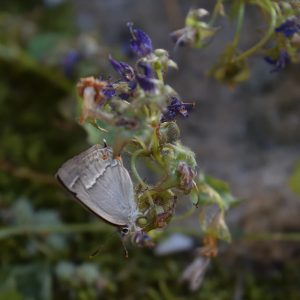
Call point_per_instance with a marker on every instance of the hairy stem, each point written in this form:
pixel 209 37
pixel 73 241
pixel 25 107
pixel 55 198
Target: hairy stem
pixel 137 176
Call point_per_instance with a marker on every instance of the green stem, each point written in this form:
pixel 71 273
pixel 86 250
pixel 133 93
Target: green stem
pixel 240 20
pixel 265 38
pixel 137 176
pixel 160 76
pixel 215 12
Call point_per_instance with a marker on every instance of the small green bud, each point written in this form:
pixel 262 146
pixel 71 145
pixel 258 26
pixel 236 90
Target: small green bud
pixel 160 52
pixel 142 221
pixel 168 132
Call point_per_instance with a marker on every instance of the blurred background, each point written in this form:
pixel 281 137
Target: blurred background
pixel 247 136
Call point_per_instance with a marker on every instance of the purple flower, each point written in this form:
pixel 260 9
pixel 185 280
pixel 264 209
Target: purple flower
pixel 146 68
pixel 176 108
pixel 109 91
pixel 289 27
pixel 140 43
pixel 147 84
pixel 280 63
pixel 143 77
pixel 146 80
pixel 70 61
pixel 124 69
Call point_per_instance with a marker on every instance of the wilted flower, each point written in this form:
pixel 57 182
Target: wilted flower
pixel 187 175
pixel 194 273
pixel 210 247
pixel 97 86
pixel 140 43
pixel 176 108
pixel 195 31
pixel 289 27
pixel 280 62
pixel 94 93
pixel 184 36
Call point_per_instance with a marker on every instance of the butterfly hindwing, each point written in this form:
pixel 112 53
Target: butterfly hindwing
pixel 101 183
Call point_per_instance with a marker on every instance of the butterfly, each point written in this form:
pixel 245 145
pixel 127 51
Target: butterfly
pixel 102 184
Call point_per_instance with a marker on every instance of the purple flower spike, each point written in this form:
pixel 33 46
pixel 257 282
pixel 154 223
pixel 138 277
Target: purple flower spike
pixel 125 70
pixel 280 63
pixel 176 108
pixel 289 27
pixel 140 43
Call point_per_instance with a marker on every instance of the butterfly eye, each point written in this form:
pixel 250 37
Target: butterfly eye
pixel 124 230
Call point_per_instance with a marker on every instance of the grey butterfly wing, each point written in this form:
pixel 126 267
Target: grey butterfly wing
pixel 100 183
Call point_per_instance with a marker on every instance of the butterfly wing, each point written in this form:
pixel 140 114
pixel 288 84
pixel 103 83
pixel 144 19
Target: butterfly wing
pixel 101 183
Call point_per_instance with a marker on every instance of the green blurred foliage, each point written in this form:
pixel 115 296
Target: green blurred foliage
pixel 294 181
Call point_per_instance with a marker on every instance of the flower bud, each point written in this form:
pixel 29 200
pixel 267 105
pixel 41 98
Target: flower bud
pixel 168 132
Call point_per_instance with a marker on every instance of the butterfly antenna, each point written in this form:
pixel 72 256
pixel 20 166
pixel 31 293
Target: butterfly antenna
pixel 96 252
pixel 101 247
pixel 123 231
pixel 125 249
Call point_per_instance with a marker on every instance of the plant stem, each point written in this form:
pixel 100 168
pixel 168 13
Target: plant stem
pixel 137 176
pixel 265 38
pixel 215 12
pixel 240 19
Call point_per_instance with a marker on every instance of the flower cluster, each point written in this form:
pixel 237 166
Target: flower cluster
pixel 136 114
pixel 280 42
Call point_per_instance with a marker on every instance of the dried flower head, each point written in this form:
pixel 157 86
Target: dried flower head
pixel 176 108
pixel 187 175
pixel 195 272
